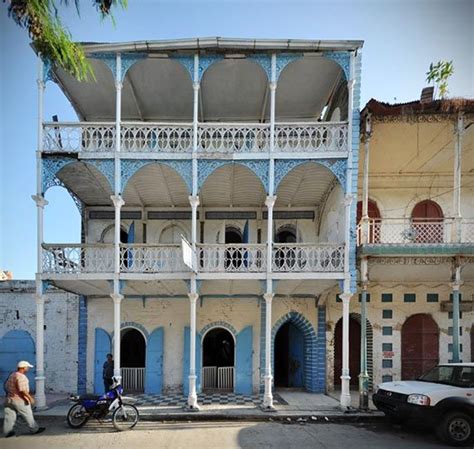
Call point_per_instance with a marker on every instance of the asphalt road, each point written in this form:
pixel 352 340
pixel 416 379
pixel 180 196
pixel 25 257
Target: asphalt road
pixel 222 435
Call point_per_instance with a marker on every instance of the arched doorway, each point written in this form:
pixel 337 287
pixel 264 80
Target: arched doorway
pixel 289 357
pixel 218 359
pixel 354 352
pixel 233 256
pixel 132 359
pixel 374 220
pixel 427 217
pixel 420 345
pixel 17 345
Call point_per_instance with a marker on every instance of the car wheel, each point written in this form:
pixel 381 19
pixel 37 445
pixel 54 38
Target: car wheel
pixel 456 429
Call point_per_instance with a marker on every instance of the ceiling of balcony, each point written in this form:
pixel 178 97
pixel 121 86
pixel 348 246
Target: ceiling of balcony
pixel 232 185
pixel 233 89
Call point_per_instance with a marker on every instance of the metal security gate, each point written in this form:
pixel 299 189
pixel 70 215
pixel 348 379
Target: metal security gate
pixel 221 378
pixel 133 379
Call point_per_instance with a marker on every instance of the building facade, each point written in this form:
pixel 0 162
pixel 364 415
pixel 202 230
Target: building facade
pixel 215 180
pixel 416 234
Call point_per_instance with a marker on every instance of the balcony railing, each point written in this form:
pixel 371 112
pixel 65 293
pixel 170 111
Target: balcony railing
pixel 302 257
pixel 231 258
pixel 143 258
pixel 409 231
pixel 222 138
pixel 211 258
pixel 80 258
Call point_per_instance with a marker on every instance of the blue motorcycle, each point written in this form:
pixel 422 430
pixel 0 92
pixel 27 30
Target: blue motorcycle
pixel 125 416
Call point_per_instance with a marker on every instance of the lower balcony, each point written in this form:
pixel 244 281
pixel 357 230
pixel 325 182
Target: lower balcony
pixel 75 259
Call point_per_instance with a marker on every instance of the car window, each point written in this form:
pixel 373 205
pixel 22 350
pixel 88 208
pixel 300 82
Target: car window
pixel 458 376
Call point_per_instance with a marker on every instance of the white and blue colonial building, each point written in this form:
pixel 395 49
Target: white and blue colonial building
pixel 241 153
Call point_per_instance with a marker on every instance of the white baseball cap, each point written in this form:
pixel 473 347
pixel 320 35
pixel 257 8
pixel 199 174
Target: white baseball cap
pixel 24 364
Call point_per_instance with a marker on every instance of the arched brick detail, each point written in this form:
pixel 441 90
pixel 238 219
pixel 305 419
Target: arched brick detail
pixel 311 378
pixel 216 324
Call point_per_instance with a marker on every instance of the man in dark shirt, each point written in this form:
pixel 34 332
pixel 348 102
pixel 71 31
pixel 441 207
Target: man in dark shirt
pixel 108 372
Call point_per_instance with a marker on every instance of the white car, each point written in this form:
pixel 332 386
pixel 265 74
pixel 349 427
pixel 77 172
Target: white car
pixel 442 398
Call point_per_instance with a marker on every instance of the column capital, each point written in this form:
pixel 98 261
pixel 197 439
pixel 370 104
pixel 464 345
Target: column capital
pixel 39 299
pixel 270 201
pixel 272 85
pixel 350 83
pixel 117 297
pixel 117 200
pixel 196 86
pixel 456 286
pixel 40 200
pixel 194 200
pixel 193 297
pixel 41 84
pixel 268 297
pixel 118 85
pixel 346 297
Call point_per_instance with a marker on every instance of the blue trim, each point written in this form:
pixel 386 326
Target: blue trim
pixel 338 167
pixel 82 346
pixel 283 59
pixel 129 59
pixel 342 58
pixel 154 362
pixel 186 353
pixel 263 320
pixel 207 166
pixel 187 62
pixel 215 324
pixel 102 346
pixel 244 361
pixel 133 324
pixel 182 166
pixel 205 61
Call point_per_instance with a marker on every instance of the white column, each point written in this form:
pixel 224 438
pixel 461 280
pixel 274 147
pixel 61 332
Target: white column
pixel 456 286
pixel 192 397
pixel 267 395
pixel 364 375
pixel 345 377
pixel 365 184
pixel 117 298
pixel 40 204
pixel 196 87
pixel 458 132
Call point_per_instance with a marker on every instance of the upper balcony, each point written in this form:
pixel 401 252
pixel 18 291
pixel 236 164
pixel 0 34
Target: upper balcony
pixel 325 138
pixel 417 234
pixel 233 91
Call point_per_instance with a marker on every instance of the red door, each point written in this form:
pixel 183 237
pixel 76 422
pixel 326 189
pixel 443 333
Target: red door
pixel 354 352
pixel 428 222
pixel 420 345
pixel 374 215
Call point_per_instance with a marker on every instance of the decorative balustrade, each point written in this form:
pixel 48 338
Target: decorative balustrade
pixel 231 258
pixel 224 138
pixel 143 258
pixel 294 258
pixel 311 137
pixel 156 137
pixel 409 231
pixel 78 137
pixel 233 138
pixel 72 259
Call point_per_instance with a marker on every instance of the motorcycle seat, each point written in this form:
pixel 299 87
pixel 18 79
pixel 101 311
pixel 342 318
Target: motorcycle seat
pixel 90 397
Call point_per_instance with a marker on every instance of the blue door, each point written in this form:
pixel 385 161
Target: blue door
pixel 295 356
pixel 243 363
pixel 102 348
pixel 186 361
pixel 17 345
pixel 154 362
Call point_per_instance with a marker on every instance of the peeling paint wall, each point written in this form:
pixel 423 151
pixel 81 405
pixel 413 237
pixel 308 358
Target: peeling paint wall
pixel 401 310
pixel 18 311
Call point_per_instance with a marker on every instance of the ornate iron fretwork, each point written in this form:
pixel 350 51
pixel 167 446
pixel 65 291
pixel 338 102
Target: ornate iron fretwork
pixel 341 58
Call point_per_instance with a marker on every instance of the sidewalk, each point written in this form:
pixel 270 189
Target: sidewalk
pixel 290 406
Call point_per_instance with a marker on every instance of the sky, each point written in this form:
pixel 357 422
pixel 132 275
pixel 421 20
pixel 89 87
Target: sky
pixel 402 37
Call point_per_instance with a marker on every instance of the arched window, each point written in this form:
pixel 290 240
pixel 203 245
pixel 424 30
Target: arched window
pixel 286 234
pixel 374 220
pixel 427 217
pixel 172 234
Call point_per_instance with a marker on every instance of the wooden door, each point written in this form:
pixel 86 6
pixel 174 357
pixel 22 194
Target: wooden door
pixel 420 345
pixel 374 216
pixel 354 352
pixel 427 219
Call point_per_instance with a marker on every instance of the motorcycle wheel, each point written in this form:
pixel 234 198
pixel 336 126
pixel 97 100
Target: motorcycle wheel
pixel 77 416
pixel 125 417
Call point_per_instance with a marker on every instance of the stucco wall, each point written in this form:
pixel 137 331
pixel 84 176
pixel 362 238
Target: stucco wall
pixel 18 311
pixel 401 310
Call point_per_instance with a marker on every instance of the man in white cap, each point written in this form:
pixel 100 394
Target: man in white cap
pixel 19 401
